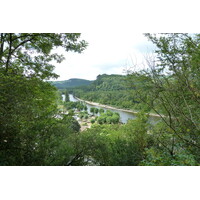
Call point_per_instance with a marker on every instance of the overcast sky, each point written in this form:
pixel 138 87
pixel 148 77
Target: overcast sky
pixel 107 53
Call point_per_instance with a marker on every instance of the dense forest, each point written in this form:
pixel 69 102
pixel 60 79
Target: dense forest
pixel 34 130
pixel 111 90
pixel 73 82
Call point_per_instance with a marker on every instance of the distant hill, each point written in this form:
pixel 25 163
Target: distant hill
pixel 111 82
pixel 109 90
pixel 71 83
pixel 104 82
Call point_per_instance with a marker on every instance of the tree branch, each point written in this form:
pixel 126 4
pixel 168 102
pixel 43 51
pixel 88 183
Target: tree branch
pixel 9 54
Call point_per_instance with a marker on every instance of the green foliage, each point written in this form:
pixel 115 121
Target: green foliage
pixel 81 115
pixel 108 117
pixel 92 110
pixel 71 112
pixel 155 157
pixel 109 90
pixel 66 96
pixel 71 83
pixel 85 108
pixel 86 116
pixel 32 130
pixel 92 121
pixel 75 105
pixel 96 110
pixel 29 54
pixel 31 133
pixel 101 110
pixel 109 113
pixel 101 119
pixel 171 88
pixel 115 118
pixel 113 145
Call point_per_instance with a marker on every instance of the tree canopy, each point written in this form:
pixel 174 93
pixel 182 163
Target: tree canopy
pixel 171 88
pixel 32 130
pixel 30 54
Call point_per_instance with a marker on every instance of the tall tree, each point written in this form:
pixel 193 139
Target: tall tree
pixel 31 132
pixel 66 96
pixel 30 54
pixel 171 88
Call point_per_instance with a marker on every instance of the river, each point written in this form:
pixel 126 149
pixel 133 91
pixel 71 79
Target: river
pixel 124 116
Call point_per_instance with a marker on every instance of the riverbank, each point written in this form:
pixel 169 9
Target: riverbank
pixel 114 108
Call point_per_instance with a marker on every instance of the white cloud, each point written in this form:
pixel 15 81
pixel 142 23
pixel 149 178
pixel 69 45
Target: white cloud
pixel 106 53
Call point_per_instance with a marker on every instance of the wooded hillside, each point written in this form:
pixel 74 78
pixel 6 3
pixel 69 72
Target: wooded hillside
pixel 74 82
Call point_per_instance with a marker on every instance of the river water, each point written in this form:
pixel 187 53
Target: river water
pixel 124 116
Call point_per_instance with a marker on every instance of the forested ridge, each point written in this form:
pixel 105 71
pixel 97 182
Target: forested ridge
pixel 73 82
pixel 35 130
pixel 110 90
